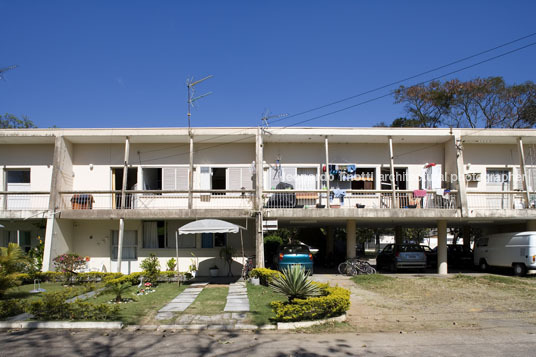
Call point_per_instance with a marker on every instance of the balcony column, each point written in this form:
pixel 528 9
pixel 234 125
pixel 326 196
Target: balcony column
pixel 460 171
pixel 259 201
pixel 47 250
pixel 442 268
pixel 394 201
pixel 523 171
pixel 191 172
pixel 330 241
pixel 123 201
pixel 327 174
pixel 350 238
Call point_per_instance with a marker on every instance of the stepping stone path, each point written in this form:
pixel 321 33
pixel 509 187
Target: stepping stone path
pixel 237 298
pixel 181 302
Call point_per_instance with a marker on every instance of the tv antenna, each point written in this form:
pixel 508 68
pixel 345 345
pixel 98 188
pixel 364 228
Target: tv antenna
pixel 266 116
pixel 2 70
pixel 190 83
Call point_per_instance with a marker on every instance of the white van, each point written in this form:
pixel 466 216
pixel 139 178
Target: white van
pixel 516 250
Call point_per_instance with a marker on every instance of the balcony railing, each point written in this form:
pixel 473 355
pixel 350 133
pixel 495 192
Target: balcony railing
pixel 498 200
pixel 19 201
pixel 157 199
pixel 358 199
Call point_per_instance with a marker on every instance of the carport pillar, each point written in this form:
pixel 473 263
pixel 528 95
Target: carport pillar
pixel 350 239
pixel 327 174
pixel 259 172
pixel 330 242
pixel 191 173
pixel 399 237
pixel 442 268
pixel 123 203
pixel 259 237
pixel 466 238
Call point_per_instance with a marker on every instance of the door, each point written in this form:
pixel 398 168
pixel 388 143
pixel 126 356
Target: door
pixel 117 185
pixel 498 180
pixel 18 180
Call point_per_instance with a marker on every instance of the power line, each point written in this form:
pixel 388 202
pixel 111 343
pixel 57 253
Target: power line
pixel 348 107
pixel 406 79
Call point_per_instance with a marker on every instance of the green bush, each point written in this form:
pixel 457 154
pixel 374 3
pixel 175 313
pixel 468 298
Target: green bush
pixel 24 278
pixel 52 276
pixel 335 302
pixel 8 281
pixel 265 275
pixel 53 306
pixel 151 268
pixel 95 276
pixel 11 307
pixel 171 264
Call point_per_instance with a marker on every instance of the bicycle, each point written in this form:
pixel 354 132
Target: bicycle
pixel 354 266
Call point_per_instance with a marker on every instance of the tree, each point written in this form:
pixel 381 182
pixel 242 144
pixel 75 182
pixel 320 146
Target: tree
pixel 481 102
pixel 10 121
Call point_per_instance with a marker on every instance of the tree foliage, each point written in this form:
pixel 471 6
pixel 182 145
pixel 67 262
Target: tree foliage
pixel 10 121
pixel 481 102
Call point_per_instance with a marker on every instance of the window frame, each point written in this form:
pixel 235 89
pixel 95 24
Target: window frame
pixel 116 246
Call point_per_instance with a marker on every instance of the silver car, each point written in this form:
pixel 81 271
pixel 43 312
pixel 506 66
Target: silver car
pixel 401 256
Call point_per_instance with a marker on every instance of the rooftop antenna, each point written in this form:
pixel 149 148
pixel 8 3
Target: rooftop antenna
pixel 2 70
pixel 190 83
pixel 266 116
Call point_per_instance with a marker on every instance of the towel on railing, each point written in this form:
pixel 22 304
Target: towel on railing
pixel 338 193
pixel 419 193
pixel 441 192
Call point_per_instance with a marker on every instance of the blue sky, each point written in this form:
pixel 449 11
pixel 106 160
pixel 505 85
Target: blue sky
pixel 125 63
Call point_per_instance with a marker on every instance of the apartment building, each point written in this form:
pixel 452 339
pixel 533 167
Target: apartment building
pixel 118 195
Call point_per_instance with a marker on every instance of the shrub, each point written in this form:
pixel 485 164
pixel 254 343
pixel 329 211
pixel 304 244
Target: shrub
pixel 52 306
pixel 11 307
pixel 171 264
pixel 265 275
pixel 295 283
pixel 335 302
pixel 69 264
pixel 151 268
pixel 118 289
pixel 24 278
pixel 53 276
pixel 8 281
pixel 12 259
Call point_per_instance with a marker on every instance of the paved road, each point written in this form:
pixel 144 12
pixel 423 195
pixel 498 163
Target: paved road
pixel 491 342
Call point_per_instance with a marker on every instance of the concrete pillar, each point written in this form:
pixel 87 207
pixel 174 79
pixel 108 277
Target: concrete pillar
pixel 399 237
pixel 327 174
pixel 467 237
pixel 442 247
pixel 120 244
pixel 47 252
pixel 350 239
pixel 531 226
pixel 394 201
pixel 191 173
pixel 330 241
pixel 259 238
pixel 523 172
pixel 460 170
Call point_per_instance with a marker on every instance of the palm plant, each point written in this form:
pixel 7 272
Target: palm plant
pixel 118 289
pixel 12 259
pixel 227 254
pixel 295 283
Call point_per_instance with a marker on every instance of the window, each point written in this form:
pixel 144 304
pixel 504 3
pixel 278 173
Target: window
pixel 25 240
pixel 154 234
pixel 8 237
pixel 18 176
pixel 363 179
pixel 152 178
pixel 306 178
pixel 213 240
pixel 130 245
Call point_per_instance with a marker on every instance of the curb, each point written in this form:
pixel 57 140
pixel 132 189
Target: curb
pixel 199 327
pixel 114 325
pixel 302 324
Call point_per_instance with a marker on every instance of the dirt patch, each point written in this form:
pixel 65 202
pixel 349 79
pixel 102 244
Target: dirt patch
pixel 426 303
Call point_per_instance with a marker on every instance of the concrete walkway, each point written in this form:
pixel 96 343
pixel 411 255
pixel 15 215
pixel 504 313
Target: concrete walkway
pixel 181 302
pixel 237 298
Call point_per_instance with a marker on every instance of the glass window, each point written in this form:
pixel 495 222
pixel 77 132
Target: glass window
pixel 296 249
pixel 130 245
pixel 220 239
pixel 207 240
pixel 154 234
pixel 18 176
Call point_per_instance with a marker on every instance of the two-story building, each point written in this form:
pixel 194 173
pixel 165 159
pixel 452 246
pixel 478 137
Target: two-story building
pixel 117 195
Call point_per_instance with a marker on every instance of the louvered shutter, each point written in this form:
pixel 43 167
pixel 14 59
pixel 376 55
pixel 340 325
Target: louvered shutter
pixel 247 182
pixel 235 178
pixel 181 178
pixel 289 175
pixel 204 178
pixel 168 178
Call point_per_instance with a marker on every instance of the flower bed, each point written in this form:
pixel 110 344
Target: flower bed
pixel 265 275
pixel 335 301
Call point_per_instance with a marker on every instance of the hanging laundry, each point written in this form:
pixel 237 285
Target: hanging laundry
pixel 338 193
pixel 350 169
pixel 419 193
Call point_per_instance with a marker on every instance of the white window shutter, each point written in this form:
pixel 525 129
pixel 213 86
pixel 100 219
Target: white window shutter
pixel 247 182
pixel 204 178
pixel 235 178
pixel 289 176
pixel 168 178
pixel 181 183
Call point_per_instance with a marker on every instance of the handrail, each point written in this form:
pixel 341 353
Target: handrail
pixel 24 192
pixel 152 191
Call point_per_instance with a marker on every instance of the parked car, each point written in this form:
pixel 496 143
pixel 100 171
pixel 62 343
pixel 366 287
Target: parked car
pixel 515 250
pixel 295 255
pixel 457 256
pixel 401 256
pixel 431 255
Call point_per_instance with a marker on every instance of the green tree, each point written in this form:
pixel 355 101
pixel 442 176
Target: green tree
pixel 10 121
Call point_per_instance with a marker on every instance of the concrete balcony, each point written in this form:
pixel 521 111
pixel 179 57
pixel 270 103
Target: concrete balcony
pixel 155 204
pixel 21 205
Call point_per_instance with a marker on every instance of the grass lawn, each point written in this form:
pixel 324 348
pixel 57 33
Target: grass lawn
pixel 210 301
pixel 260 298
pixel 428 302
pixel 145 306
pixel 23 291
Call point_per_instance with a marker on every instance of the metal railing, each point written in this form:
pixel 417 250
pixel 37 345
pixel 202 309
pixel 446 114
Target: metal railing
pixel 358 199
pixel 13 201
pixel 497 200
pixel 157 199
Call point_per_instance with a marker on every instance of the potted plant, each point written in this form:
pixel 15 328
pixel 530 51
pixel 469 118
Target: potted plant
pixel 192 269
pixel 214 271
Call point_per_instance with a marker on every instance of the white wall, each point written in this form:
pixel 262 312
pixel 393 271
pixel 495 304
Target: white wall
pixel 38 157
